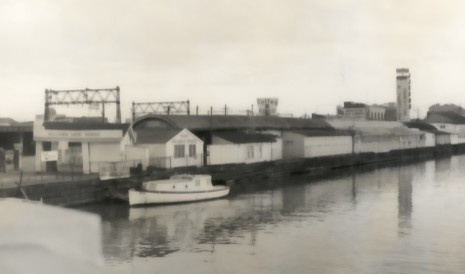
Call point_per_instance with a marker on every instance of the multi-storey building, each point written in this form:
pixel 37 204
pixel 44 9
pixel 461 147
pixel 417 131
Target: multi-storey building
pixel 403 94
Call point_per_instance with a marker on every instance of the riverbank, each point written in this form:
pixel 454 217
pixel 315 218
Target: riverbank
pixel 93 190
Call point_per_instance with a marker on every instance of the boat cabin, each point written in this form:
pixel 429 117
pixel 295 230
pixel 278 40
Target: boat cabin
pixel 180 183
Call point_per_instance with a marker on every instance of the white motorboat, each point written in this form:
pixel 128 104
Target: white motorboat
pixel 177 189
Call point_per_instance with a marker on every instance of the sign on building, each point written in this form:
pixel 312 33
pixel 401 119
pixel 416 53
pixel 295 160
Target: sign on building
pixel 48 156
pixel 267 106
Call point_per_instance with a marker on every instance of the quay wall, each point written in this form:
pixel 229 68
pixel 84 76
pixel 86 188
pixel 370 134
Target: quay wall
pixel 94 190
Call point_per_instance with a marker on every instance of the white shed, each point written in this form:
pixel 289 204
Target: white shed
pixel 236 147
pixel 167 148
pixel 315 143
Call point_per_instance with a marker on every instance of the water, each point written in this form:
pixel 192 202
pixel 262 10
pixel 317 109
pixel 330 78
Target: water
pixel 407 219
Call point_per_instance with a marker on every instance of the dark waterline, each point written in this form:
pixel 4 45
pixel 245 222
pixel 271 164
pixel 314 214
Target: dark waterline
pixel 404 219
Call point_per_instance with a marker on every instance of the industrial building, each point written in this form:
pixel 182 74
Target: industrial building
pixel 77 146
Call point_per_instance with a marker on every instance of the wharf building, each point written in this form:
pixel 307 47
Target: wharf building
pixel 162 141
pixel 76 145
pixel 403 94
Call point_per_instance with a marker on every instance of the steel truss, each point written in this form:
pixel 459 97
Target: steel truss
pixel 140 109
pixel 81 97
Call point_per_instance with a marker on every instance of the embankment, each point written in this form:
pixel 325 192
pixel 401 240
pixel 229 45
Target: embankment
pixel 90 191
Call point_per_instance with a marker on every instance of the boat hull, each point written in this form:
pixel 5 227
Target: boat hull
pixel 165 197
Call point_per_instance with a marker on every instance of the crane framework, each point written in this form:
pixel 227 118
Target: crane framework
pixel 179 107
pixel 81 97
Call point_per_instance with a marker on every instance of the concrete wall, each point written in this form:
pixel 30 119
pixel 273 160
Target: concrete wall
pixel 63 193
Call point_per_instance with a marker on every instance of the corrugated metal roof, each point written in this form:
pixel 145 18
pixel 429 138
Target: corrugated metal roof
pixel 10 125
pixel 329 132
pixel 241 137
pixel 156 136
pixel 224 122
pixel 421 126
pixel 85 126
pixel 7 121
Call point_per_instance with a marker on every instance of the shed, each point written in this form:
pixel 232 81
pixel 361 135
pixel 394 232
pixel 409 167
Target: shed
pixel 316 143
pixel 235 147
pixel 166 148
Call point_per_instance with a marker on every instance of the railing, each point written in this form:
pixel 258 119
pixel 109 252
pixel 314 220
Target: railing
pixel 160 162
pixel 113 170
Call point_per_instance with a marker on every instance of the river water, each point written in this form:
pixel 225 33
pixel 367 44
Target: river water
pixel 403 219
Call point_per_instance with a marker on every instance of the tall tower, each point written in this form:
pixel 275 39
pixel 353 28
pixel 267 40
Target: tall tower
pixel 403 95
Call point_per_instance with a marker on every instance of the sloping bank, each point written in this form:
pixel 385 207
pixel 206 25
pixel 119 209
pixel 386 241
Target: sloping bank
pixel 94 190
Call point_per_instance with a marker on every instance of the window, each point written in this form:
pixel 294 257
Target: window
pixel 192 150
pixel 250 150
pixel 179 151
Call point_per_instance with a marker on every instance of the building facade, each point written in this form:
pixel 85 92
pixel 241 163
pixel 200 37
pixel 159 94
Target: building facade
pixel 403 94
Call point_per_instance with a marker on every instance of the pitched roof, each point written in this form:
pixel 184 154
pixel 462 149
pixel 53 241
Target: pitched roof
pixel 234 122
pixel 156 136
pixel 329 132
pixel 7 121
pixel 421 126
pixel 241 137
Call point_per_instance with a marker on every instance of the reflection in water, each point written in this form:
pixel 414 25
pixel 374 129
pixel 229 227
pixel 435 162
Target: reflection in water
pixel 442 169
pixel 361 223
pixel 293 198
pixel 405 199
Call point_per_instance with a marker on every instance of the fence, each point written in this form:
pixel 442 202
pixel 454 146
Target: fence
pixel 160 162
pixel 113 170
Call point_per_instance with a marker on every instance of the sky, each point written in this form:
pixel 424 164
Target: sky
pixel 313 55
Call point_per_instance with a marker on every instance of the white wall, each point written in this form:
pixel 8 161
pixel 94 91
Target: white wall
pixel 429 139
pixel 300 146
pixel 137 154
pixel 386 143
pixel 186 138
pixel 220 154
pixel 103 152
pixel 327 145
pixel 157 155
pixel 293 145
pixel 277 150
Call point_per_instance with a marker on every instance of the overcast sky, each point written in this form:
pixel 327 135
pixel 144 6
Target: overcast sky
pixel 312 55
